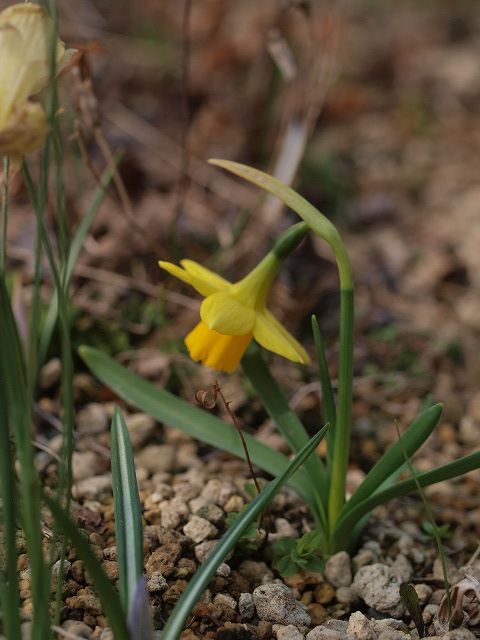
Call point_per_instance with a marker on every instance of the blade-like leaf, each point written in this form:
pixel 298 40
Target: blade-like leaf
pixel 329 412
pixel 128 514
pixel 173 411
pixel 9 591
pixel 109 597
pixel 340 536
pixel 411 601
pixel 286 420
pixel 140 620
pixel 202 577
pixel 394 458
pixel 74 251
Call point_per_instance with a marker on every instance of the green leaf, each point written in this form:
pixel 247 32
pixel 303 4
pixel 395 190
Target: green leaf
pixel 128 513
pixel 202 577
pixel 410 599
pixel 288 423
pixel 74 251
pixel 341 534
pixel 315 564
pixel 283 546
pixel 109 597
pixel 394 458
pixel 329 412
pixel 199 424
pixel 309 542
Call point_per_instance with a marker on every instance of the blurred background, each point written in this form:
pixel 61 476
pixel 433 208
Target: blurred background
pixel 370 109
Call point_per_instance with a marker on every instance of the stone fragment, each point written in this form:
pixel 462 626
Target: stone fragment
pixel 91 488
pixel 234 504
pixel 224 600
pixel 337 570
pixel 223 570
pixel 287 632
pixel 324 593
pixel 203 549
pixel 140 427
pixel 393 634
pixel 77 628
pixel 423 592
pixel 246 606
pixel 359 626
pixel 317 613
pixel 324 633
pixel 198 529
pixel 156 582
pixel 276 603
pixel 92 419
pixel 264 630
pixel 211 512
pixel 346 595
pixel 378 587
pixel 85 464
pixel 156 458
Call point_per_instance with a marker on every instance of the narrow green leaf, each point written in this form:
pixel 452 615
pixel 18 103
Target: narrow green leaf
pixel 287 421
pixel 202 577
pixel 411 601
pixel 128 514
pixel 341 534
pixel 9 591
pixel 329 412
pixel 74 251
pixel 173 411
pixel 109 597
pixel 394 458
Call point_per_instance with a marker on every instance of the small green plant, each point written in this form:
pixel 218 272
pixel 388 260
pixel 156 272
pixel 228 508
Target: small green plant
pixel 232 316
pixel 291 556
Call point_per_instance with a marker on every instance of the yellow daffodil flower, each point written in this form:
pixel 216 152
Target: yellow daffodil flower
pixel 25 43
pixel 232 314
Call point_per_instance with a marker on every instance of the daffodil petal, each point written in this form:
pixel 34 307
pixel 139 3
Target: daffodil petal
pixel 215 350
pixel 25 131
pixel 199 271
pixel 225 314
pixel 202 280
pixel 272 335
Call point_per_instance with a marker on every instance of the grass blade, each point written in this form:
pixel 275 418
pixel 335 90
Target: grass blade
pixel 448 471
pixel 166 407
pixel 286 420
pixel 329 412
pixel 75 249
pixel 9 589
pixel 202 577
pixel 128 514
pixel 109 597
pixel 394 458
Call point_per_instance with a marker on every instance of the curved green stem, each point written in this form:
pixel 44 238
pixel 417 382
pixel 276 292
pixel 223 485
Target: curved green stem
pixel 327 231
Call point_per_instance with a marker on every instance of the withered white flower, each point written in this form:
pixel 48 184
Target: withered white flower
pixel 25 45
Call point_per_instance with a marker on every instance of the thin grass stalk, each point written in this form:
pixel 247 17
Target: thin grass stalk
pixel 9 589
pixel 4 214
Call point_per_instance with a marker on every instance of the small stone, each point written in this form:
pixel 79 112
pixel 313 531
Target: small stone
pixel 85 464
pixel 92 419
pixel 211 512
pixel 173 593
pixel 459 634
pixel 156 582
pixel 140 428
pixel 156 458
pixel 287 632
pixel 198 529
pixel 77 571
pixel 337 570
pixel 423 592
pixel 346 595
pixel 393 634
pixel 359 626
pixel 276 603
pixel 379 626
pixel 170 518
pixel 50 373
pixel 246 606
pixel 203 550
pixel 402 569
pixel 186 491
pixel 284 529
pixel 111 569
pixel 324 593
pixel 224 600
pixel 264 630
pixel 77 628
pixel 364 557
pixel 211 491
pixel 234 504
pixel 256 573
pixel 379 587
pixel 196 504
pixel 223 570
pixel 56 567
pixel 233 631
pixel 317 612
pixel 92 488
pixel 161 560
pixel 324 633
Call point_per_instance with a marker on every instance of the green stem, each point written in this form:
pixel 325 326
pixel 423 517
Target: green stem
pixel 341 442
pixel 4 213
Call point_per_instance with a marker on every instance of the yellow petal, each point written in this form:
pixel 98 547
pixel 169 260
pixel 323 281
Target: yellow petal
pixel 273 336
pixel 214 349
pixel 25 131
pixel 201 279
pixel 25 56
pixel 225 314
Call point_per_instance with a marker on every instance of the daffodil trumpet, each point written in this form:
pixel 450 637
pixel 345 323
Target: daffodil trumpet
pixel 234 314
pixel 26 56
